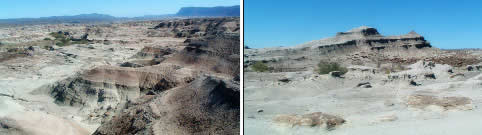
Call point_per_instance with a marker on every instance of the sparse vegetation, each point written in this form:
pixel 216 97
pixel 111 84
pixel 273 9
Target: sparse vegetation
pixel 260 67
pixel 394 67
pixel 46 47
pixel 62 40
pixel 83 41
pixel 325 67
pixel 57 36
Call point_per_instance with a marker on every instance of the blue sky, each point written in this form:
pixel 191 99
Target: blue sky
pixel 119 8
pixel 454 24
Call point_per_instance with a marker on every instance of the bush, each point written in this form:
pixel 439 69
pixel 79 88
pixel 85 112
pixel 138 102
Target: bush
pixel 59 44
pixel 325 67
pixel 259 67
pixel 80 42
pixel 47 39
pixel 65 41
pixel 57 36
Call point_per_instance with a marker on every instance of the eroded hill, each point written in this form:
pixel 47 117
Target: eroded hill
pixel 102 77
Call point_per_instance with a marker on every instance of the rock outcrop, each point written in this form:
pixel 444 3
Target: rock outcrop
pixel 311 120
pixel 196 27
pixel 208 105
pixel 358 45
pixel 447 103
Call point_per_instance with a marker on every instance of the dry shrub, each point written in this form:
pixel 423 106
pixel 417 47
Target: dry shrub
pixel 325 67
pixel 259 67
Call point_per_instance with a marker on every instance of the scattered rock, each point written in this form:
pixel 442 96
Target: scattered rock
pixel 430 76
pixel 389 103
pixel 337 74
pixel 387 118
pixel 130 64
pixel 364 85
pixel 422 101
pixel 151 93
pixel 311 120
pixel 470 68
pixel 285 80
pixel 413 83
pixel 457 75
pixel 260 110
pixel 450 71
pixel 429 64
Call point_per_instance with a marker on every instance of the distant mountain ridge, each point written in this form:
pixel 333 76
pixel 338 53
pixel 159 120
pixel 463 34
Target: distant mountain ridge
pixel 210 11
pixel 103 18
pixel 82 18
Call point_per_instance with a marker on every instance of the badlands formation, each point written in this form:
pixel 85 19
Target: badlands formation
pixel 177 76
pixel 395 85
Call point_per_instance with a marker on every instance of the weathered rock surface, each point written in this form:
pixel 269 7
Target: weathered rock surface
pixel 316 119
pixel 123 77
pixel 208 105
pixel 196 27
pixel 447 103
pixel 361 44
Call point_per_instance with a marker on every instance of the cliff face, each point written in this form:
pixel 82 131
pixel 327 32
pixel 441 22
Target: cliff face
pixel 358 41
pixel 196 27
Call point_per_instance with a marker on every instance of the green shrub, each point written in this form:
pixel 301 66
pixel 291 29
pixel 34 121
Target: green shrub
pixel 80 42
pixel 46 47
pixel 65 41
pixel 325 67
pixel 59 44
pixel 260 67
pixel 47 39
pixel 57 36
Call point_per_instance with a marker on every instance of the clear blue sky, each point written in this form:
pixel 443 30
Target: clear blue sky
pixel 455 24
pixel 119 8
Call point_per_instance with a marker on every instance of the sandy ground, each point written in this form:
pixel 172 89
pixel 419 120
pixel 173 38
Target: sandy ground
pixel 365 109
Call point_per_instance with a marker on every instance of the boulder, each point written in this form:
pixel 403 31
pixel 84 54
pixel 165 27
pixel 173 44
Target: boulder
pixel 413 83
pixel 260 110
pixel 450 71
pixel 470 68
pixel 285 80
pixel 430 76
pixel 337 74
pixel 364 85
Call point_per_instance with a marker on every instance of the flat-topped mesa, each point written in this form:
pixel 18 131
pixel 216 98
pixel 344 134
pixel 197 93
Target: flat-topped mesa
pixel 349 46
pixel 360 31
pixel 369 38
